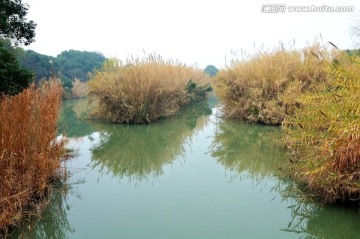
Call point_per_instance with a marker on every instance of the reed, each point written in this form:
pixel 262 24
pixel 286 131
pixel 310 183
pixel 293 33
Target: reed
pixel 324 135
pixel 29 151
pixel 263 87
pixel 80 89
pixel 145 90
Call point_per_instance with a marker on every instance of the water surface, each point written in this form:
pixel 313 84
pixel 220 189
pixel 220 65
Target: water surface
pixel 193 175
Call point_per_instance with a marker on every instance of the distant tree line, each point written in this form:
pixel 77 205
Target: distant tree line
pixel 25 65
pixel 211 70
pixel 68 65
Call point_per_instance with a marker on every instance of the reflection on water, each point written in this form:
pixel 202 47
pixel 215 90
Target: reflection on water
pixel 54 222
pixel 315 221
pixel 72 118
pixel 137 151
pixel 243 147
pixel 187 157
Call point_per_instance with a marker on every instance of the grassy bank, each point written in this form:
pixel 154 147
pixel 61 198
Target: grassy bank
pixel 263 87
pixel 324 135
pixel 314 94
pixel 29 152
pixel 145 90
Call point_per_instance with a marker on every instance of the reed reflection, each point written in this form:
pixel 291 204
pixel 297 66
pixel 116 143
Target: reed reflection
pixel 140 151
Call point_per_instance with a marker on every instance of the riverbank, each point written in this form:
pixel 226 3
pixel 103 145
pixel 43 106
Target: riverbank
pixel 30 154
pixel 313 94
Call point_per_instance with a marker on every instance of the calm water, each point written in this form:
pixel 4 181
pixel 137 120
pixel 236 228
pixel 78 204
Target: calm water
pixel 190 176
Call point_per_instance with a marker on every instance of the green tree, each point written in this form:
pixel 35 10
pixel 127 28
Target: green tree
pixel 13 77
pixel 43 66
pixel 13 23
pixel 15 28
pixel 211 70
pixel 77 64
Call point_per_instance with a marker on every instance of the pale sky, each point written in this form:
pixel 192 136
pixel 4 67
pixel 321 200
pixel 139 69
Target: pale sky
pixel 198 32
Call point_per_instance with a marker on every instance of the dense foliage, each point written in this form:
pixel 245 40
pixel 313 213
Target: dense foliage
pixel 13 22
pixel 264 87
pixel 69 65
pixel 211 70
pixel 323 134
pixel 40 65
pixel 15 28
pixel 13 77
pixel 145 90
pixel 77 64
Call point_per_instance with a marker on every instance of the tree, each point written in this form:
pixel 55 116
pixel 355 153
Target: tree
pixel 13 23
pixel 14 26
pixel 77 64
pixel 13 77
pixel 211 70
pixel 42 66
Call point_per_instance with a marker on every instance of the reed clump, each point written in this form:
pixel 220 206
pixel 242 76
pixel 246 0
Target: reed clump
pixel 79 90
pixel 263 87
pixel 29 151
pixel 323 135
pixel 145 90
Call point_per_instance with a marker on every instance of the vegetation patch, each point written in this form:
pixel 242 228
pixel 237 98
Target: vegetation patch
pixel 29 151
pixel 263 87
pixel 323 135
pixel 145 90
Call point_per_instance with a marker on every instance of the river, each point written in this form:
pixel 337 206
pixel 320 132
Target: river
pixel 193 175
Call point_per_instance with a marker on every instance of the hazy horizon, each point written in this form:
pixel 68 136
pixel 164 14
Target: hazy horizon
pixel 193 32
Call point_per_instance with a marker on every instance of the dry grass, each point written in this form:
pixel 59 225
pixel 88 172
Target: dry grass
pixel 324 135
pixel 79 89
pixel 145 90
pixel 29 152
pixel 264 87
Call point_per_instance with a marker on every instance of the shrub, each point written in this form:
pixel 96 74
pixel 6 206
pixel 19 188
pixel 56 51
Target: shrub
pixel 264 87
pixel 79 89
pixel 324 135
pixel 29 152
pixel 145 90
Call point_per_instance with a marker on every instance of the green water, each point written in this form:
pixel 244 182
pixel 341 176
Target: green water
pixel 191 176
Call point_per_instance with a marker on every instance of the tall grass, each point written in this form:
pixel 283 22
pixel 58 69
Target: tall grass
pixel 29 152
pixel 80 89
pixel 145 90
pixel 263 87
pixel 324 135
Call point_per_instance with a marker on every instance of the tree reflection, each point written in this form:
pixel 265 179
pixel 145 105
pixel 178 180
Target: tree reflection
pixel 138 151
pixel 53 223
pixel 313 220
pixel 72 118
pixel 251 148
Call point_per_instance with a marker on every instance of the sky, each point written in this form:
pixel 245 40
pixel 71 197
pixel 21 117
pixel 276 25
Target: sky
pixel 195 32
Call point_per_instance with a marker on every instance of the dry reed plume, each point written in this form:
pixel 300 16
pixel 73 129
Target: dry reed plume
pixel 29 152
pixel 264 87
pixel 324 135
pixel 145 90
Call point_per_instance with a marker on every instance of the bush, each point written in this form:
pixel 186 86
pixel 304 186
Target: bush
pixel 79 89
pixel 145 90
pixel 29 152
pixel 13 77
pixel 264 87
pixel 324 135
